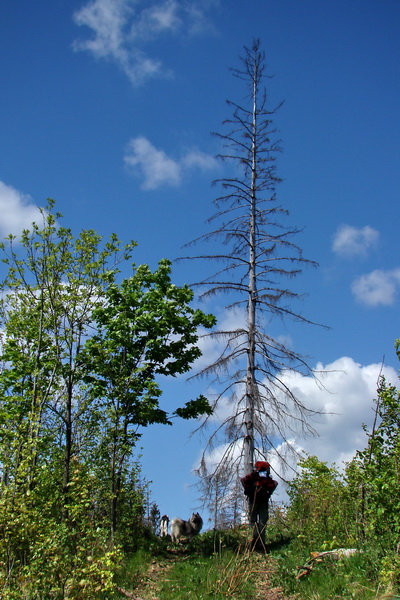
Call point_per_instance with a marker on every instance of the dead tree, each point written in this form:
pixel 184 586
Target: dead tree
pixel 257 257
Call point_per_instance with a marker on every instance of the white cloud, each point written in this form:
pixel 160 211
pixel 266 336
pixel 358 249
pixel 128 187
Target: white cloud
pixel 343 390
pixel 345 394
pixel 17 211
pixel 378 288
pixel 107 20
pixel 156 168
pixel 153 165
pixel 121 28
pixel 195 158
pixel 112 40
pixel 351 241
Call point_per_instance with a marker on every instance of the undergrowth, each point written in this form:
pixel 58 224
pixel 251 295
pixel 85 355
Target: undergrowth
pixel 357 577
pixel 219 565
pixel 218 577
pixel 214 565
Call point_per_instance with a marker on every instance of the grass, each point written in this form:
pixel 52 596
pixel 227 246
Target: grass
pixel 217 577
pixel 214 566
pixel 218 566
pixel 356 577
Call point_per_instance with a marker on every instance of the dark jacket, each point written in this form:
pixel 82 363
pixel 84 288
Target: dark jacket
pixel 258 489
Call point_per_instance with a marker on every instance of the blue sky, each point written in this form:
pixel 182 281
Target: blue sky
pixel 107 107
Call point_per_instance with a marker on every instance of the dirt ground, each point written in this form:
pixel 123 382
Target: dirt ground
pixel 263 568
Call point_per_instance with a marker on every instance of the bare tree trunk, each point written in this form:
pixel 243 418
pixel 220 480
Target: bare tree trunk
pixel 251 368
pixel 251 383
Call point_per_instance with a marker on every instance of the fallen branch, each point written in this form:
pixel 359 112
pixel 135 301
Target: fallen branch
pixel 317 557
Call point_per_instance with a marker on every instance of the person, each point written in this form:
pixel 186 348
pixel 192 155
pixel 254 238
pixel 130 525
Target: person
pixel 258 487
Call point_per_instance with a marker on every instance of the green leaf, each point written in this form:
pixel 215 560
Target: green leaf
pixel 194 408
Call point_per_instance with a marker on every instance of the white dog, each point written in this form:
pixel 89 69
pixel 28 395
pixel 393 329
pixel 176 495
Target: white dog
pixel 188 529
pixel 164 525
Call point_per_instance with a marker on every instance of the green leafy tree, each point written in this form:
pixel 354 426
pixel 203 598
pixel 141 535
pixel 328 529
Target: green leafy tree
pixel 145 329
pixel 52 286
pixel 361 506
pixel 373 479
pixel 80 354
pixel 154 519
pixel 317 509
pixel 378 469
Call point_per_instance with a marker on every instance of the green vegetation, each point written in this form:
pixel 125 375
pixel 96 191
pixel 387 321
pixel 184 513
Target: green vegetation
pixel 215 565
pixel 354 577
pixel 219 565
pixel 81 348
pixel 357 509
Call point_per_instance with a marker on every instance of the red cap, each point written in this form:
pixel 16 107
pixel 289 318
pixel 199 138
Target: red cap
pixel 262 465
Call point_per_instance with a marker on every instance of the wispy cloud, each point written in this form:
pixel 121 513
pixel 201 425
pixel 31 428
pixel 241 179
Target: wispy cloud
pixel 157 169
pixel 378 288
pixel 197 159
pixel 121 29
pixel 351 242
pixel 163 17
pixel 17 211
